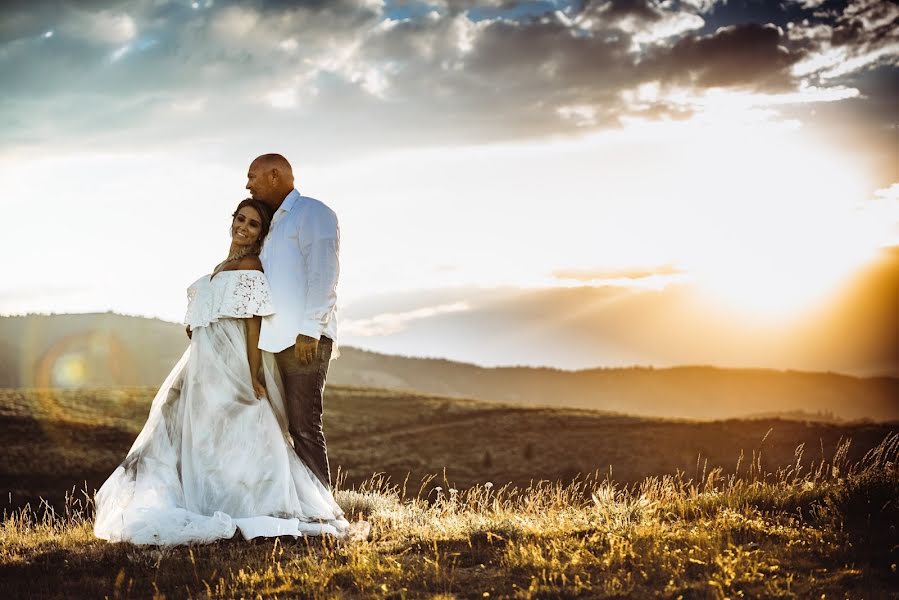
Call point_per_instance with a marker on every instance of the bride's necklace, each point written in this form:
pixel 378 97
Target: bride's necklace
pixel 246 250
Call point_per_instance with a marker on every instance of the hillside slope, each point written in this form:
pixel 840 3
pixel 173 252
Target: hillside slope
pixel 57 439
pixel 115 350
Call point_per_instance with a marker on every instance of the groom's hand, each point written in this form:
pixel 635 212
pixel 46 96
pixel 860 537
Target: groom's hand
pixel 305 349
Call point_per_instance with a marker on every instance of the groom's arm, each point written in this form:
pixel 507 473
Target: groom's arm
pixel 320 248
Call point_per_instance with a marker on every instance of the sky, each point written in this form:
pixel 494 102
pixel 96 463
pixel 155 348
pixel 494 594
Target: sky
pixel 570 184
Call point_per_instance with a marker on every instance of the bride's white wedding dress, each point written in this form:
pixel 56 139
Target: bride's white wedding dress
pixel 212 457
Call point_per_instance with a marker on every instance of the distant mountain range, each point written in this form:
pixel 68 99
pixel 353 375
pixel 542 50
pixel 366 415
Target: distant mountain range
pixel 107 349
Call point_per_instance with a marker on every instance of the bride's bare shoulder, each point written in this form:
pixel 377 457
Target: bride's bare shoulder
pixel 250 263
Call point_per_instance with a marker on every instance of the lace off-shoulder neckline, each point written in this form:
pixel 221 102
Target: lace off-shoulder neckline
pixel 213 275
pixel 244 295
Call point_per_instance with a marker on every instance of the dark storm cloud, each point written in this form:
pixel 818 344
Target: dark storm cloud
pixel 437 74
pixel 544 59
pixel 749 55
pixel 617 9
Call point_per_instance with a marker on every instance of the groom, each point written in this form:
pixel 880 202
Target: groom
pixel 300 258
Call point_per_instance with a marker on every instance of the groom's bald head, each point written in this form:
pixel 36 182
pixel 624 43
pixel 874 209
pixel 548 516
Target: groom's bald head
pixel 273 161
pixel 270 179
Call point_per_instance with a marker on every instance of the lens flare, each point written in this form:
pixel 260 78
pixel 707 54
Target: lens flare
pixel 69 370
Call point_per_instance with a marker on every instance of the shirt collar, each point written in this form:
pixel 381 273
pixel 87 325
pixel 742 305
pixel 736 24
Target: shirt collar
pixel 287 204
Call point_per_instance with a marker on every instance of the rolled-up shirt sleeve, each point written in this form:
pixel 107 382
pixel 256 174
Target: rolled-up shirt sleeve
pixel 319 241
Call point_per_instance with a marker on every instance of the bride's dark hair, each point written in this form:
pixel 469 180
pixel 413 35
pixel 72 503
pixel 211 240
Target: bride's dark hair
pixel 265 218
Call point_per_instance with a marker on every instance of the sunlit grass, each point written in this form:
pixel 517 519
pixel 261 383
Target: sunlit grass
pixel 828 530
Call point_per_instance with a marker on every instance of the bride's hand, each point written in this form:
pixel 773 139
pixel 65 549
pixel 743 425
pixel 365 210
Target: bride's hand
pixel 260 390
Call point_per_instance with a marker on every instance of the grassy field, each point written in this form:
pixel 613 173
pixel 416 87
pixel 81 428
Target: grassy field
pixel 804 512
pixel 54 440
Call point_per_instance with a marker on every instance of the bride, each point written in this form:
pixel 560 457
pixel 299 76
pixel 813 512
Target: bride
pixel 215 454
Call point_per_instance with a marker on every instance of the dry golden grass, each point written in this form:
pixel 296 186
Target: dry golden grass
pixel 826 531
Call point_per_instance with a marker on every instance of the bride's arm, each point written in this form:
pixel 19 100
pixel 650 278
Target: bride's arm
pixel 254 325
pixel 254 354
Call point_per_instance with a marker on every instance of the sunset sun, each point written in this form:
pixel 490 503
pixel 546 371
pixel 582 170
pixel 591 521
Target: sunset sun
pixel 784 223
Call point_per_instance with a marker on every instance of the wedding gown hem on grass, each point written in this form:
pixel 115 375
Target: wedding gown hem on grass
pixel 212 458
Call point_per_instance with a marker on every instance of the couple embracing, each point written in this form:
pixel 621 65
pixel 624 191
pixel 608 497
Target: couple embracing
pixel 234 437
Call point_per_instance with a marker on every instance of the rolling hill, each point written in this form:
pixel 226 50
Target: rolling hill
pixel 90 350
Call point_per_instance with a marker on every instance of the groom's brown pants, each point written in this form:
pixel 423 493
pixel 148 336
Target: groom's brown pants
pixel 304 387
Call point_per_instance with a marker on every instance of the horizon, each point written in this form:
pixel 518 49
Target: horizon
pixel 649 367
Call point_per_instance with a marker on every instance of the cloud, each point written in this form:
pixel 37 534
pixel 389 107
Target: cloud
pixel 702 6
pixel 377 75
pixel 104 27
pixel 809 4
pixel 587 275
pixel 645 21
pixel 622 10
pixel 748 56
pixel 389 323
pixel 862 36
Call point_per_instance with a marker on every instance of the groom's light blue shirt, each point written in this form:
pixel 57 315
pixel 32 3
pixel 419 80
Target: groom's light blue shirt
pixel 300 258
